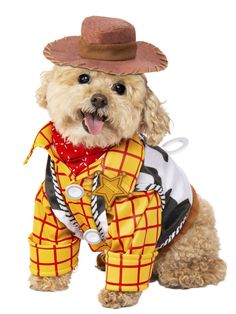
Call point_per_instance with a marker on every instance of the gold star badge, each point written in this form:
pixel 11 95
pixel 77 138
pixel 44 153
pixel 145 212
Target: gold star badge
pixel 110 189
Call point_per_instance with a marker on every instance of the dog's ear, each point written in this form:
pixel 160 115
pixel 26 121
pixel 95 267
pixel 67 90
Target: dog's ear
pixel 155 121
pixel 41 93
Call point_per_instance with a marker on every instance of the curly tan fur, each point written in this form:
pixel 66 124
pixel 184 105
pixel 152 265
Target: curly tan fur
pixel 155 122
pixel 41 93
pixel 115 299
pixel 50 283
pixel 193 260
pixel 138 108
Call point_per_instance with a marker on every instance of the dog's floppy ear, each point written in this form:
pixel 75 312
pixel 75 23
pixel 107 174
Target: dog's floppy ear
pixel 155 121
pixel 41 93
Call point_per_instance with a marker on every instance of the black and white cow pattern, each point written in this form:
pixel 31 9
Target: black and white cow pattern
pixel 159 169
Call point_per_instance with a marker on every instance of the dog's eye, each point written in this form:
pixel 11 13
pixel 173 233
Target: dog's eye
pixel 83 78
pixel 119 88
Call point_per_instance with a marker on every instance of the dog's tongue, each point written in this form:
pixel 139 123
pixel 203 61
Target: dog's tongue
pixel 93 123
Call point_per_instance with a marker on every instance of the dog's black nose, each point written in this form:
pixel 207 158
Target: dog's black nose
pixel 99 100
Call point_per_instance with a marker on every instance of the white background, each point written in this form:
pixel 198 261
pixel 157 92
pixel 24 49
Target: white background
pixel 198 38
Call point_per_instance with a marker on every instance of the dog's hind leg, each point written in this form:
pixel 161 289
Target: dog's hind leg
pixel 193 260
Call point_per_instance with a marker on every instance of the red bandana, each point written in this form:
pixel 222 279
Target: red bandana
pixel 75 157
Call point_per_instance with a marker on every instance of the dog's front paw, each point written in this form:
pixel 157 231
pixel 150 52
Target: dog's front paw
pixel 49 283
pixel 116 299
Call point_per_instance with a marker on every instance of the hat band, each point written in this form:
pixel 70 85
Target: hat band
pixel 107 52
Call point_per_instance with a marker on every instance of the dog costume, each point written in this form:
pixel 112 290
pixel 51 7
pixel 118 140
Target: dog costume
pixel 128 203
pixel 147 198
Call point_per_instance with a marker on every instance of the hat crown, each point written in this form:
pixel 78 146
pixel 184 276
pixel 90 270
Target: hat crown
pixel 106 30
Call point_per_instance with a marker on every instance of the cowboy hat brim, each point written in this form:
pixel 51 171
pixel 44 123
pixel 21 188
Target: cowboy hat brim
pixel 65 52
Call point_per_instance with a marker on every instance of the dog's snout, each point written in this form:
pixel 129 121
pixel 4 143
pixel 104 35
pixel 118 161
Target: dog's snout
pixel 99 100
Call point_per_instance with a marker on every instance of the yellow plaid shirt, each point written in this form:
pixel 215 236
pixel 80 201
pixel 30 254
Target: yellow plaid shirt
pixel 130 246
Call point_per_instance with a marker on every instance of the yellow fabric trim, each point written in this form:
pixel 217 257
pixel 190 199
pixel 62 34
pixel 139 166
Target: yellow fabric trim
pixel 43 139
pixel 128 272
pixel 53 259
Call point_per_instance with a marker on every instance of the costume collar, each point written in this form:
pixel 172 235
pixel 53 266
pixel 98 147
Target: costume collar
pixel 123 159
pixel 43 139
pixel 76 157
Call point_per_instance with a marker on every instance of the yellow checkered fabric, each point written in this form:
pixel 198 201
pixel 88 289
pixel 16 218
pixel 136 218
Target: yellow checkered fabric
pixel 134 226
pixel 53 249
pixel 132 239
pixel 128 272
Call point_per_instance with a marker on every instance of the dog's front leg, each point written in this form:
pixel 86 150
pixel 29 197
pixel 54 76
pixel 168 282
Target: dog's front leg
pixel 127 275
pixel 50 283
pixel 124 280
pixel 53 249
pixel 116 299
pixel 129 261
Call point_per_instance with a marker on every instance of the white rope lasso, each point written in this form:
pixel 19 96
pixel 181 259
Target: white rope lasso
pixel 183 141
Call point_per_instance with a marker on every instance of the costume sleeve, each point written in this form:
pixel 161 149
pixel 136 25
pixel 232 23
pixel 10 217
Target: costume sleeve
pixel 133 237
pixel 53 248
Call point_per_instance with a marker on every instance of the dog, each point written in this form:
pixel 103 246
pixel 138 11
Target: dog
pixel 109 184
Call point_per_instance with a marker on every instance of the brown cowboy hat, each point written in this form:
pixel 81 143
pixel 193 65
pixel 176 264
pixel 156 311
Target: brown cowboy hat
pixel 108 45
